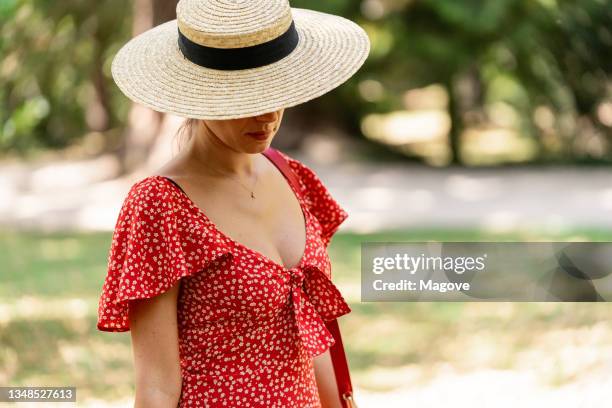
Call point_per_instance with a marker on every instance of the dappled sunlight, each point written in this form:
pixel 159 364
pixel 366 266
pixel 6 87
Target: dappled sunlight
pixel 381 196
pixel 324 148
pixel 604 113
pixel 468 121
pixel 72 174
pixel 378 204
pixel 33 308
pixel 8 194
pixel 100 403
pixel 509 220
pixel 565 355
pixel 490 388
pixel 375 198
pixel 401 354
pixel 73 354
pixel 87 208
pixel 549 351
pixel 606 199
pixel 351 291
pixel 97 217
pixel 500 221
pixel 475 188
pixel 62 348
pixel 388 331
pixel 398 128
pixel 371 90
pixel 420 129
pixel 391 378
pixel 493 135
pixel 389 196
pixel 364 222
pixel 492 145
pixel 433 96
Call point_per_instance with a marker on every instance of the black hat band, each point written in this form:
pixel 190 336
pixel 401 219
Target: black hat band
pixel 240 58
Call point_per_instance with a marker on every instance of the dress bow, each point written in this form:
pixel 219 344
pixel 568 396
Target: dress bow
pixel 315 300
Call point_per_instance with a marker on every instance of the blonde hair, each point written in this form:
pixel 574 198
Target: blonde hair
pixel 185 132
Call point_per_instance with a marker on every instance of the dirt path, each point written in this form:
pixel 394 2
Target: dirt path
pixel 85 195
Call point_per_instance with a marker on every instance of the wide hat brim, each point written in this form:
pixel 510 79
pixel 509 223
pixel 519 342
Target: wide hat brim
pixel 151 70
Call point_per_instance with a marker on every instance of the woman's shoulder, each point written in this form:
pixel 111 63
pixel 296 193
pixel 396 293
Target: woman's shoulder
pixel 148 203
pixel 153 186
pixel 149 191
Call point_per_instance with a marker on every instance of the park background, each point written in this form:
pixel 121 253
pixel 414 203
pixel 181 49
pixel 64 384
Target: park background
pixel 470 120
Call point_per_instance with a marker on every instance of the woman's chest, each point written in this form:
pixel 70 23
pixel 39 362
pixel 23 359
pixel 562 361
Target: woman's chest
pixel 248 284
pixel 274 225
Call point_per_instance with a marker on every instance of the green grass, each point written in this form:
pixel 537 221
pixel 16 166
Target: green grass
pixel 59 264
pixel 385 337
pixel 45 339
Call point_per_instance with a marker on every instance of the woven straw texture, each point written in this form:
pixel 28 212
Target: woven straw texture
pixel 151 70
pixel 231 23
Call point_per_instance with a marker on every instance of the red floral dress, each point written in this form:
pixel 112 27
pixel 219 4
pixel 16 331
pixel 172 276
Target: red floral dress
pixel 248 327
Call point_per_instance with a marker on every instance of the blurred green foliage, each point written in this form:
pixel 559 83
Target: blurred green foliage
pixel 528 54
pixel 547 60
pixel 55 60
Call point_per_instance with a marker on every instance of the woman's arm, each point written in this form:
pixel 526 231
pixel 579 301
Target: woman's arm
pixel 326 381
pixel 154 332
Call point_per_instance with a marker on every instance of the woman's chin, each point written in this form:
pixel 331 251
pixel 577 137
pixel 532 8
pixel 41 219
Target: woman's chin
pixel 255 146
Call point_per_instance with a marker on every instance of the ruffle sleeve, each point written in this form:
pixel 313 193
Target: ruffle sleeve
pixel 320 202
pixel 149 252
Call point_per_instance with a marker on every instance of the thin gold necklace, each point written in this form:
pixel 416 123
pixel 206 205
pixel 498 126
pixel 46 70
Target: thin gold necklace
pixel 250 190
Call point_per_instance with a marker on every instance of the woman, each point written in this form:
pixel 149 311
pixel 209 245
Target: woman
pixel 218 264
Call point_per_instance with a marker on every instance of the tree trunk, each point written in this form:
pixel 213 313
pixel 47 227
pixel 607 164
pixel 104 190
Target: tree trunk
pixel 143 124
pixel 455 121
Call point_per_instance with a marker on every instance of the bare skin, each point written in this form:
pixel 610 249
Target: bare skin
pixel 218 169
pixel 154 332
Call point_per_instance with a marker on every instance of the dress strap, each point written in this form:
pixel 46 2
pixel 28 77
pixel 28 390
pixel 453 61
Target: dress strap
pixel 282 164
pixel 175 183
pixel 337 352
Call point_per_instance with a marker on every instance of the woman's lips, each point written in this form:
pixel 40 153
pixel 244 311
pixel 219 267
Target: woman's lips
pixel 259 135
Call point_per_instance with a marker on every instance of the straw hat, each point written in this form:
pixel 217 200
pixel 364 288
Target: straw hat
pixel 228 59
